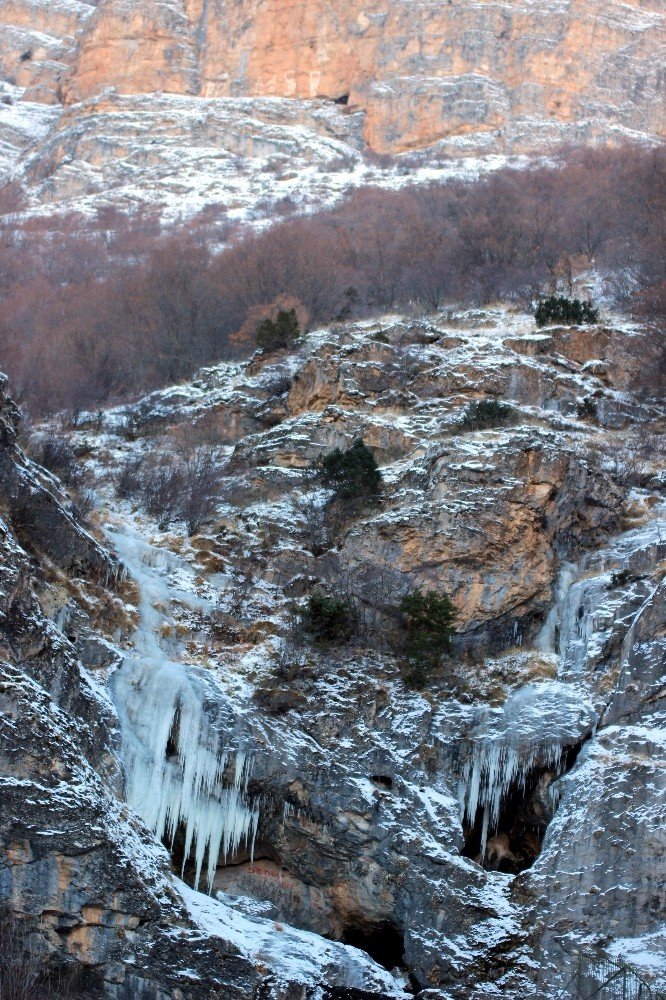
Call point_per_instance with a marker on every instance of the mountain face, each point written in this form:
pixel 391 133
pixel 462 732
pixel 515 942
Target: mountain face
pixel 200 800
pixel 128 80
pixel 205 792
pixel 421 72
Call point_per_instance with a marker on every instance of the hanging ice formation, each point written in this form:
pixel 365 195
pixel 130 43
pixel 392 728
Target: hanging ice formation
pixel 596 603
pixel 178 774
pixel 575 627
pixel 597 598
pixel 548 638
pixel 493 770
pixel 537 724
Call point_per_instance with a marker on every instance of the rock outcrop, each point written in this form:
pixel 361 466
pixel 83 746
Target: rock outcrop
pixel 467 836
pixel 37 44
pixel 421 73
pixel 83 877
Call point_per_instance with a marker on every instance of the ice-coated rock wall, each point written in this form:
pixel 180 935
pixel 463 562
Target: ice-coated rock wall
pixel 533 729
pixel 178 770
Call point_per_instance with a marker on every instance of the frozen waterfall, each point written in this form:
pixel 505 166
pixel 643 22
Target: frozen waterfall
pixel 597 598
pixel 536 725
pixel 178 773
pixel 596 604
pixel 185 764
pixel 575 623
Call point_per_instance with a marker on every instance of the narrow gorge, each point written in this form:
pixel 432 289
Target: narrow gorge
pixel 332 500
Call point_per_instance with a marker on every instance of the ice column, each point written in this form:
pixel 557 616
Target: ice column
pixel 178 773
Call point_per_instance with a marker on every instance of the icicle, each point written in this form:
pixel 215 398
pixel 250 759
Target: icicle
pixel 161 708
pixel 190 788
pixel 492 770
pixel 255 827
pixel 537 722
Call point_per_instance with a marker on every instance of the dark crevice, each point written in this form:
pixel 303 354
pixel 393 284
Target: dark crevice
pixel 384 943
pixel 384 780
pixel 516 842
pixel 177 851
pixel 174 736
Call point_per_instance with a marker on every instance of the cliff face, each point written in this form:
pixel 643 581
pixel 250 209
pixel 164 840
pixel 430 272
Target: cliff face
pixel 85 881
pixel 37 43
pixel 173 720
pixel 422 72
pixel 463 77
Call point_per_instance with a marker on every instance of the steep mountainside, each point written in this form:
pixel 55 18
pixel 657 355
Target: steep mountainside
pixel 129 81
pixel 231 809
pixel 81 870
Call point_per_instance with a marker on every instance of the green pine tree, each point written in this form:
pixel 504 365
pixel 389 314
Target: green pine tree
pixel 284 330
pixel 353 474
pixel 428 621
pixel 326 619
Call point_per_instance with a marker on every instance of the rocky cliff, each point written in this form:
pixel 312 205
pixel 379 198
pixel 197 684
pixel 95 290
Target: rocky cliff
pixel 461 77
pixel 226 808
pixel 421 72
pixel 91 890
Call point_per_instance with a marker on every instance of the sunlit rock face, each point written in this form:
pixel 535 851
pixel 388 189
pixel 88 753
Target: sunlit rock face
pixel 479 73
pixel 144 98
pixel 37 43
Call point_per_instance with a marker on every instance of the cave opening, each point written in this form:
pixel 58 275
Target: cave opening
pixel 264 877
pixel 383 780
pixel 383 942
pixel 515 843
pixel 243 857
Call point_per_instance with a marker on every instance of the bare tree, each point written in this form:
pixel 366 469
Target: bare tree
pixel 126 305
pixel 200 470
pixel 20 967
pixel 317 527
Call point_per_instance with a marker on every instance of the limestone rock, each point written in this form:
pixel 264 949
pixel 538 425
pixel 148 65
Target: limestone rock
pixel 152 99
pixel 471 833
pixel 425 74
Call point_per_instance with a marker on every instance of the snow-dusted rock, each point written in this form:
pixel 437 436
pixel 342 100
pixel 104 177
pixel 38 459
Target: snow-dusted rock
pixel 321 801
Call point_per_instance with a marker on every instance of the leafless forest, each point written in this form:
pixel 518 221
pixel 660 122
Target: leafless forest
pixel 96 310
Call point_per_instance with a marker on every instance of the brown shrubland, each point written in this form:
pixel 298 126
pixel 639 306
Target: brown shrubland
pixel 97 310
